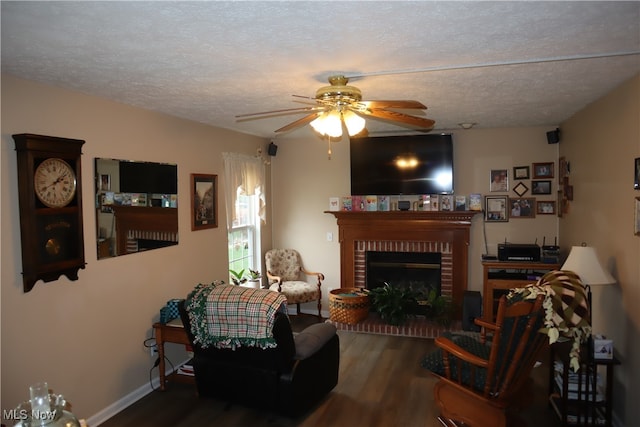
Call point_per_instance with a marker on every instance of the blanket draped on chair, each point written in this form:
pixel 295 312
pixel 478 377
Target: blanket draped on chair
pixel 227 316
pixel 566 308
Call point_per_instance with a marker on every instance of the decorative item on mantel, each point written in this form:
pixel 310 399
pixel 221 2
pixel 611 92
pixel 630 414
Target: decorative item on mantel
pixel 44 409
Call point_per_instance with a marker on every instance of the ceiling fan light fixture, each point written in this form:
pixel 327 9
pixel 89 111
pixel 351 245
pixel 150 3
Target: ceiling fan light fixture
pixel 328 124
pixel 354 122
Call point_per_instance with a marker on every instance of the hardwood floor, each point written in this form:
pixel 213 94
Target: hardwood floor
pixel 381 384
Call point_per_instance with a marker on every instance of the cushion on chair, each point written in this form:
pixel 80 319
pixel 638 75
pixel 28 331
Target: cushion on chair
pixel 312 339
pixel 471 343
pixel 297 292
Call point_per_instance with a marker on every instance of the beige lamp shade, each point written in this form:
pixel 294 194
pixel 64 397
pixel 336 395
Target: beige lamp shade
pixel 583 260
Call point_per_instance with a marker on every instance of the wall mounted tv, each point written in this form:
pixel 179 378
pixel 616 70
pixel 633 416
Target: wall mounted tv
pixel 396 165
pixel 148 177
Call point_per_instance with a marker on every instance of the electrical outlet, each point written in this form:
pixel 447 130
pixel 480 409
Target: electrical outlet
pixel 154 350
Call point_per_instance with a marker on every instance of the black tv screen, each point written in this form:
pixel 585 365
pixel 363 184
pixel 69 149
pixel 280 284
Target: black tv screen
pixel 395 165
pixel 148 177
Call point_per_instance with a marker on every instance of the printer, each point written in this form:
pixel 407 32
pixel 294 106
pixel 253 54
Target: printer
pixel 518 252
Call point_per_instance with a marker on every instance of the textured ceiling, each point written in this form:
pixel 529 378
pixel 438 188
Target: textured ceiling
pixel 210 61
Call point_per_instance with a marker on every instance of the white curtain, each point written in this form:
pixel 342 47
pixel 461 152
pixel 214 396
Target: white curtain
pixel 243 175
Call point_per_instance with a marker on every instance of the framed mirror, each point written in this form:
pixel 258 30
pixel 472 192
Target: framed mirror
pixel 136 206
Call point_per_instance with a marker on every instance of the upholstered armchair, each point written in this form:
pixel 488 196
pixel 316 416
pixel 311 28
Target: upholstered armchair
pixel 484 378
pixel 285 274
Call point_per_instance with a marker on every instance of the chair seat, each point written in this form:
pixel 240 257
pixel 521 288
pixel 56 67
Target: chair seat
pixel 297 291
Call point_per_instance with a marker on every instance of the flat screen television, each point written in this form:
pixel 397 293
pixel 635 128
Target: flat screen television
pixel 148 177
pixel 397 165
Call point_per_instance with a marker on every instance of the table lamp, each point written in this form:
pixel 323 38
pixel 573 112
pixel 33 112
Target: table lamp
pixel 583 260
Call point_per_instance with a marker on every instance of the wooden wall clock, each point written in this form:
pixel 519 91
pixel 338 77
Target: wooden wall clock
pixel 50 199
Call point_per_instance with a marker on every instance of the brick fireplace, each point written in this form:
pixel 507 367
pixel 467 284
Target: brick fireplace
pixel 402 231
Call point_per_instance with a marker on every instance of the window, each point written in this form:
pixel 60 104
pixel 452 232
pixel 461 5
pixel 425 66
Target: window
pixel 244 203
pixel 244 236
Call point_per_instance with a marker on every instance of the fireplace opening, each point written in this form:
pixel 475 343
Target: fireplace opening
pixel 419 272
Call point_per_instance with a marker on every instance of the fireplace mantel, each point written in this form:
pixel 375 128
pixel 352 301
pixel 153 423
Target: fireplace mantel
pixel 450 228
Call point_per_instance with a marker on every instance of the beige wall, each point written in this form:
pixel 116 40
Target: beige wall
pixel 304 179
pixel 601 143
pixel 85 338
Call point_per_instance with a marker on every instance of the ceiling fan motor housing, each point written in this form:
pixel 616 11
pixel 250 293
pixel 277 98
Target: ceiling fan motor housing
pixel 339 92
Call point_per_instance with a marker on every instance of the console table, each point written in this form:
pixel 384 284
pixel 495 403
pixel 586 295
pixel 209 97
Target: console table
pixel 505 275
pixel 174 334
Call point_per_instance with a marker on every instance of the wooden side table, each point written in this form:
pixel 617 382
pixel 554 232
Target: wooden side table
pixel 583 408
pixel 173 334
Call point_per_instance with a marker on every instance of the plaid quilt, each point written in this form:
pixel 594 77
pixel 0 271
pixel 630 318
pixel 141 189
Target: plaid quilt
pixel 228 316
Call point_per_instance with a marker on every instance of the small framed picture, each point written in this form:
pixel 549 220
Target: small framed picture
pixel 546 207
pixel 563 169
pixel 637 218
pixel 520 189
pixel 204 206
pixel 568 191
pixel 495 208
pixel 522 208
pixel 542 170
pixel 521 172
pixel 105 182
pixel 541 187
pixel 636 182
pixel 499 180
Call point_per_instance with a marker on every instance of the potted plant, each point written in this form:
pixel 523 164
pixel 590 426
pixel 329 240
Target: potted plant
pixel 392 303
pixel 255 276
pixel 237 277
pixel 438 308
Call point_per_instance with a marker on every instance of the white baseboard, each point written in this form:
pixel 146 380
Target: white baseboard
pixel 131 398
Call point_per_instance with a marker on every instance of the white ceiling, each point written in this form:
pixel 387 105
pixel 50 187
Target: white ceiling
pixel 210 61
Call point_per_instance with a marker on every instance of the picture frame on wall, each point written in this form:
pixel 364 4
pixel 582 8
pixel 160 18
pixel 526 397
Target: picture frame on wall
pixel 543 170
pixel 541 187
pixel 499 180
pixel 521 172
pixel 523 207
pixel 105 182
pixel 520 189
pixel 495 208
pixel 204 204
pixel 636 217
pixel 636 182
pixel 546 207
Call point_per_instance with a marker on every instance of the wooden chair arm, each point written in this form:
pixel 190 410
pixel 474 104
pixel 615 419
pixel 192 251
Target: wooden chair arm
pixel 271 278
pixel 314 273
pixel 449 346
pixel 484 324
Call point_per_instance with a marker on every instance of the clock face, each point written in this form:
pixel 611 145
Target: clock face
pixel 55 183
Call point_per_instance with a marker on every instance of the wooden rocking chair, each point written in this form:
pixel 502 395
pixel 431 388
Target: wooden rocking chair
pixel 483 376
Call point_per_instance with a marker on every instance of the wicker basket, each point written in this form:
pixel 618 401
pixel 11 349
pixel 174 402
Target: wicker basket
pixel 348 305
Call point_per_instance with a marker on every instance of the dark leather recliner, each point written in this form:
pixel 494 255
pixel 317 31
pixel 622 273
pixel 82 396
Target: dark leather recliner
pixel 288 379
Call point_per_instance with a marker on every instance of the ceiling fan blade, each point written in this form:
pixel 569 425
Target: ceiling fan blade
pixel 402 104
pixel 401 118
pixel 279 112
pixel 300 122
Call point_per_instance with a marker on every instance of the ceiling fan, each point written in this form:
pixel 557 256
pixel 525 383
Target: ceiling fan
pixel 340 107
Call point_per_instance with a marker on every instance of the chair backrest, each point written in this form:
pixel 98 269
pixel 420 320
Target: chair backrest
pixel 516 346
pixel 285 263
